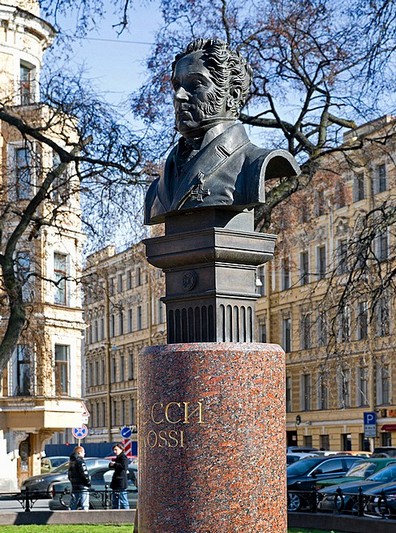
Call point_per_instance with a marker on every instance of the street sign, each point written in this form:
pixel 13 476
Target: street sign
pixel 370 424
pixel 126 432
pixel 80 433
pixel 85 414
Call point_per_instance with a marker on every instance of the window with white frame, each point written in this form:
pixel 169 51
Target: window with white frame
pixel 362 386
pixel 344 387
pixel 304 268
pixel 321 261
pixel 286 334
pixel 306 392
pixel 26 83
pixel 23 173
pixel 305 331
pixel 362 318
pixel 358 187
pixel 383 384
pixel 24 370
pixel 62 369
pixel 285 273
pixel 60 278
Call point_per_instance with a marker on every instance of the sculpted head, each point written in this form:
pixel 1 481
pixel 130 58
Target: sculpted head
pixel 211 84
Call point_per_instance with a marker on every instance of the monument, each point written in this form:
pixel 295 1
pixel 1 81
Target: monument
pixel 211 401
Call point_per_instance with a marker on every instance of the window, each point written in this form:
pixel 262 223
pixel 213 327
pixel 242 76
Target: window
pixel 23 173
pixel 96 331
pixel 119 283
pixel 339 195
pixel 97 376
pixel 111 286
pixel 322 329
pixel 138 276
pixel 362 320
pixel 23 265
pixel 342 256
pixel 358 187
pixel 112 325
pixel 133 412
pixel 323 395
pixel 324 442
pixel 381 246
pixel 380 179
pixel 102 328
pixel 319 203
pixel 344 325
pixel 131 365
pixel 260 281
pixel 129 280
pixel 123 412
pixel 286 334
pixel 288 394
pixel 344 388
pixel 306 392
pixel 24 370
pixel 285 273
pixel 60 187
pixel 122 368
pixel 383 384
pixel 121 323
pixel 262 331
pixel 362 386
pixel 382 317
pixel 305 331
pixel 130 321
pixel 114 412
pixel 60 274
pixel 321 261
pixel 113 369
pixel 61 369
pixel 139 317
pixel 26 79
pixel 304 268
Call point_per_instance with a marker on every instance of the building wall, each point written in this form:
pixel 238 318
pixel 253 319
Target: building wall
pixel 335 376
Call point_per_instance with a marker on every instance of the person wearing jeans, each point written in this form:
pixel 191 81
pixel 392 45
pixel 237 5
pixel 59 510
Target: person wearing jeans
pixel 119 482
pixel 79 479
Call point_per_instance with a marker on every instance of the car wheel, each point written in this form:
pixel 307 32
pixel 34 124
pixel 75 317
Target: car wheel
pixel 293 502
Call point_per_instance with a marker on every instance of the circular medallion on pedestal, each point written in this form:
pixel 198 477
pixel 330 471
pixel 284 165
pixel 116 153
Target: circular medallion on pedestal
pixel 189 280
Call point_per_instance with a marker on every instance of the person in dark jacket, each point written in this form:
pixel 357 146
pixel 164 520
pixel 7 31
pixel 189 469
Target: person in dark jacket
pixel 79 479
pixel 119 482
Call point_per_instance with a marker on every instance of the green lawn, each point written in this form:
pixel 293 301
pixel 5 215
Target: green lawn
pixel 72 528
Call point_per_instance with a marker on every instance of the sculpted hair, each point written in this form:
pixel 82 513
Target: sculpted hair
pixel 227 67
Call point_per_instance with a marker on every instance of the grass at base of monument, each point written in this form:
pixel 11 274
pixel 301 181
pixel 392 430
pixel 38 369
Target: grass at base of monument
pixel 72 528
pixel 308 530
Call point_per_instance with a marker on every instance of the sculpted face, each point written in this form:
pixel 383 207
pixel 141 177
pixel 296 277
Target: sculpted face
pixel 198 105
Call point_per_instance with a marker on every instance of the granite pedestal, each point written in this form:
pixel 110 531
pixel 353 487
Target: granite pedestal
pixel 212 438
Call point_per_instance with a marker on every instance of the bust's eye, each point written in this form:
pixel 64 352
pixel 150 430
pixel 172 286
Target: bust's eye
pixel 197 83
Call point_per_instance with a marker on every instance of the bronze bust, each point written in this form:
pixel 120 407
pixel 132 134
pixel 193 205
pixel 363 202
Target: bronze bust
pixel 214 164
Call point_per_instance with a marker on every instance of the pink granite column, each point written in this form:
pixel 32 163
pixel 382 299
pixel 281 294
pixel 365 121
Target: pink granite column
pixel 212 439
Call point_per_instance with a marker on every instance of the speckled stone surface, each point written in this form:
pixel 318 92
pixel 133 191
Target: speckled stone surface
pixel 212 439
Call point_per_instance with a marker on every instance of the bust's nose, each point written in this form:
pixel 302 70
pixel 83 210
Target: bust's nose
pixel 181 94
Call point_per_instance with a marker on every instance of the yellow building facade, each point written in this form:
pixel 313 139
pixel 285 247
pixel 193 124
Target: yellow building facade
pixel 328 297
pixel 123 314
pixel 40 390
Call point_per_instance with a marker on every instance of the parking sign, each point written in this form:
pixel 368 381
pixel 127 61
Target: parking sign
pixel 370 424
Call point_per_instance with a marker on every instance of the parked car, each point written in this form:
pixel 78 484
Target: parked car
pixel 384 451
pixel 41 484
pixel 293 457
pixel 381 501
pixel 358 472
pixel 302 449
pixel 346 499
pixel 99 493
pixel 303 475
pixel 49 463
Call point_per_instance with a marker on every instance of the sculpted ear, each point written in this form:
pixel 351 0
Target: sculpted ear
pixel 234 98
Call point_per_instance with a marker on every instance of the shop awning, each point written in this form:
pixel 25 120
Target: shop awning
pixel 388 427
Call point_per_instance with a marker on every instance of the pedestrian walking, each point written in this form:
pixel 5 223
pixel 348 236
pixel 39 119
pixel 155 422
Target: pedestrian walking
pixel 119 482
pixel 79 479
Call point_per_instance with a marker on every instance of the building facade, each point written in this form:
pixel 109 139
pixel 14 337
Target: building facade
pixel 329 300
pixel 40 390
pixel 123 314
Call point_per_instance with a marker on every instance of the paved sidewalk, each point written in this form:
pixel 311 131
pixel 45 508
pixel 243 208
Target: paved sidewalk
pixel 117 516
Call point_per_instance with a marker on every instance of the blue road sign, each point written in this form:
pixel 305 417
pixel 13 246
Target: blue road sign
pixel 370 424
pixel 80 433
pixel 126 432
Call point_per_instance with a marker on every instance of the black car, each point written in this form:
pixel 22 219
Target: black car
pixel 381 501
pixel 303 475
pixel 41 484
pixel 345 497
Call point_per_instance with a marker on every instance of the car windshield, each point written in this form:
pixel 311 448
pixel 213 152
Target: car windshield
pixel 302 466
pixel 385 476
pixel 61 468
pixel 361 470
